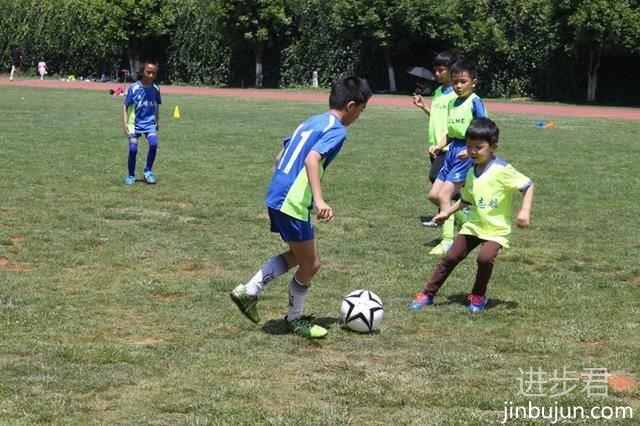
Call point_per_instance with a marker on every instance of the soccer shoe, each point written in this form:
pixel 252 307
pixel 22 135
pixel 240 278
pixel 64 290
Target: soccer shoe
pixel 421 301
pixel 246 303
pixel 430 224
pixel 130 180
pixel 303 327
pixel 149 177
pixel 477 303
pixel 441 248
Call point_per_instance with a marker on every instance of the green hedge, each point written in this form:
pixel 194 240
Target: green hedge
pixel 519 45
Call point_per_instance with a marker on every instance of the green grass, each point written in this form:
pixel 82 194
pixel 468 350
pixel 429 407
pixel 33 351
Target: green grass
pixel 114 301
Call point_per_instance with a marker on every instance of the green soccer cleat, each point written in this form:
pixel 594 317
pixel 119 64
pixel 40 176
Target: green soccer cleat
pixel 246 303
pixel 303 327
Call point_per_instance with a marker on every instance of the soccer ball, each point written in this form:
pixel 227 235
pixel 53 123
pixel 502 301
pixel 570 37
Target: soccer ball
pixel 361 311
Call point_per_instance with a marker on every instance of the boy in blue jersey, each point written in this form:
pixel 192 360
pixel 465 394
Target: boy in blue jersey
pixel 461 112
pixel 141 113
pixel 294 190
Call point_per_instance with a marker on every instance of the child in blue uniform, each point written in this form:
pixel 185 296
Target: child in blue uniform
pixel 295 188
pixel 141 112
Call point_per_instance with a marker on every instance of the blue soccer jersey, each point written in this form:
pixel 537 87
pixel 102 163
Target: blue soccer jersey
pixel 142 105
pixel 289 191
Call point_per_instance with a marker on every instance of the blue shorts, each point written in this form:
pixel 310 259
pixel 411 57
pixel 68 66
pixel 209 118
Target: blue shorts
pixel 147 133
pixel 455 170
pixel 290 228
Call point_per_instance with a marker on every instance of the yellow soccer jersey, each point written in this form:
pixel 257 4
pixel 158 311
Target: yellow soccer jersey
pixel 491 198
pixel 439 113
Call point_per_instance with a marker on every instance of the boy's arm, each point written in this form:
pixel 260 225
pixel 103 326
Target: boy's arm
pixel 441 217
pixel 312 165
pixel 158 117
pixel 435 149
pixel 524 215
pixel 279 156
pixel 125 120
pixel 417 101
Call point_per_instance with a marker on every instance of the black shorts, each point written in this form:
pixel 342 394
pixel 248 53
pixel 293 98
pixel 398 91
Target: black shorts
pixel 436 165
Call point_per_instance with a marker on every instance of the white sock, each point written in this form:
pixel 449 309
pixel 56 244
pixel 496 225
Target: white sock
pixel 297 294
pixel 275 267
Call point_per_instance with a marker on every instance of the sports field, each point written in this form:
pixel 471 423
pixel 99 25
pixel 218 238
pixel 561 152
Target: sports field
pixel 114 302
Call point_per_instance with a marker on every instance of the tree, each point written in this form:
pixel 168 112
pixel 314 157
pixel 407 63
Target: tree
pixel 385 22
pixel 136 23
pixel 601 27
pixel 255 23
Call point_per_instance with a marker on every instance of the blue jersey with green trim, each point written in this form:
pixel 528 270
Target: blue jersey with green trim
pixel 289 191
pixel 142 103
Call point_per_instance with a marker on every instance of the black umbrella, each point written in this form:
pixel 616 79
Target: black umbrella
pixel 421 72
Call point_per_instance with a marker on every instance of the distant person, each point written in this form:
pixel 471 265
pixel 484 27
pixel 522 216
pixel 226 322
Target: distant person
pixel 294 191
pixel 141 114
pixel 489 188
pixel 42 69
pixel 16 63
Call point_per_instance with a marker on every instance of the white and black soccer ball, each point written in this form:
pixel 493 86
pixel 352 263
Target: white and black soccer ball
pixel 361 311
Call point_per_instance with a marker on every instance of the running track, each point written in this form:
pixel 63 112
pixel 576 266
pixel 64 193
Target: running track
pixel 394 101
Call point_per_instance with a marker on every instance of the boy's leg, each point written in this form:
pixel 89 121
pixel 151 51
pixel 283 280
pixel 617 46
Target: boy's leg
pixel 152 138
pixel 436 166
pixel 131 162
pixel 308 259
pixel 486 258
pixel 306 253
pixel 448 189
pixel 245 296
pixel 149 177
pixel 434 192
pixel 271 270
pixel 434 198
pixel 461 247
pixel 13 70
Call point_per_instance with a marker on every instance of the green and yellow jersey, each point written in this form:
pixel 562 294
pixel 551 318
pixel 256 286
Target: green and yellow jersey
pixel 491 198
pixel 439 113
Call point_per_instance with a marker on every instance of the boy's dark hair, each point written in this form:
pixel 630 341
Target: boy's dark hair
pixel 150 62
pixel 349 89
pixel 483 129
pixel 447 58
pixel 464 65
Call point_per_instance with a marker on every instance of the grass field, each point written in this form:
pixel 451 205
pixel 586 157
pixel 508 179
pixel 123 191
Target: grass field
pixel 114 302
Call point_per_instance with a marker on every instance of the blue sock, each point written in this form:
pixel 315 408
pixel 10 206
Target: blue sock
pixel 153 148
pixel 133 151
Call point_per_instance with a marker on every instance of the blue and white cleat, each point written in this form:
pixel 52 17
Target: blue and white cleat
pixel 130 180
pixel 149 177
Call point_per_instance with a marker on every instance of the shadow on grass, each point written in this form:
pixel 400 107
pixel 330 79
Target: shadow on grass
pixel 425 219
pixel 461 299
pixel 280 327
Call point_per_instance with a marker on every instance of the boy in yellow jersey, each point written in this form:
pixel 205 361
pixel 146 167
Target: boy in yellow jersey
pixel 451 177
pixel 488 189
pixel 437 112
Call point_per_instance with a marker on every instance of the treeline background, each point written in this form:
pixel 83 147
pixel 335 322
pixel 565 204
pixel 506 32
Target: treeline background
pixel 564 50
